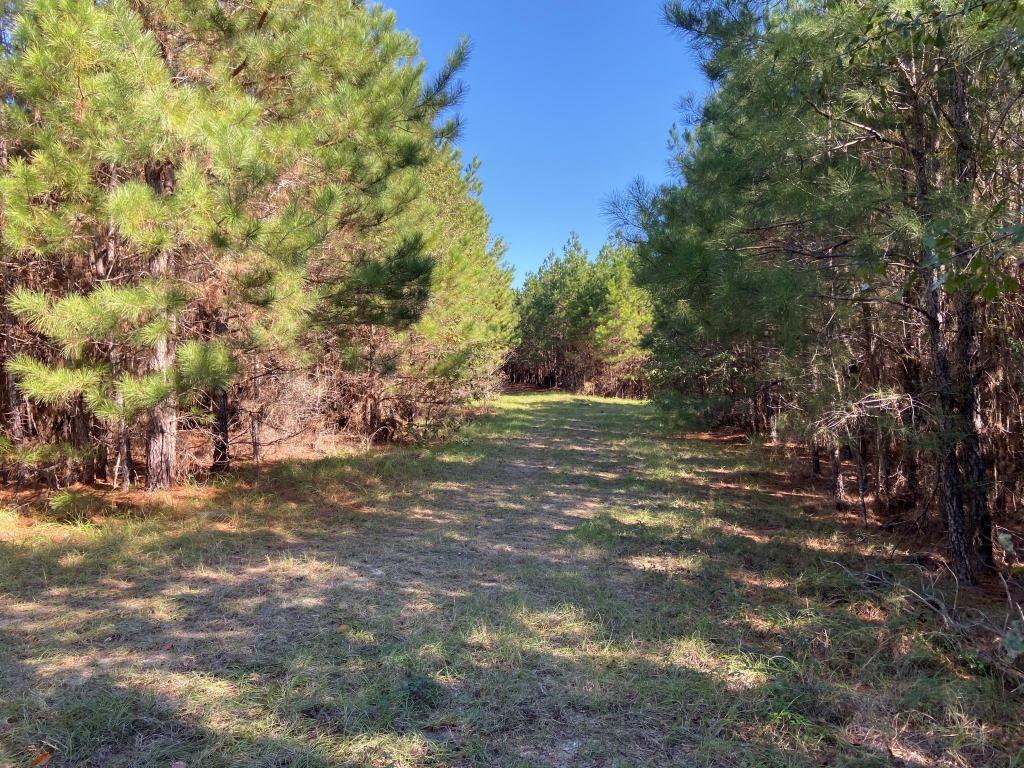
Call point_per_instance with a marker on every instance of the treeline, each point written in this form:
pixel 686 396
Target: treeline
pixel 227 226
pixel 842 261
pixel 581 324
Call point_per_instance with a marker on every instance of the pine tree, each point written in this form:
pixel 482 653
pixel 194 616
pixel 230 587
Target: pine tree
pixel 582 323
pixel 848 216
pixel 192 189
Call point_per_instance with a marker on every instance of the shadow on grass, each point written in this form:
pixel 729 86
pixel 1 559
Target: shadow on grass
pixel 561 586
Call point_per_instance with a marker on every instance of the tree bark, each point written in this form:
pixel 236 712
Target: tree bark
pixel 161 437
pixel 255 427
pixel 838 485
pixel 124 468
pixel 12 399
pixel 971 424
pixel 221 435
pixel 950 484
pixel 81 438
pixel 951 503
pixel 967 342
pixel 221 408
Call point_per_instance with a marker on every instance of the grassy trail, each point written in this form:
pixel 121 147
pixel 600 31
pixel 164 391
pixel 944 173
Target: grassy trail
pixel 561 586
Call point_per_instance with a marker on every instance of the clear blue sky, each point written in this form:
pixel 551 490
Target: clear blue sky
pixel 568 102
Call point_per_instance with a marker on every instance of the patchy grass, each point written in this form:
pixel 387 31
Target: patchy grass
pixel 561 586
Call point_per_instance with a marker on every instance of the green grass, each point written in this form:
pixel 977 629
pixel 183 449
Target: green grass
pixel 563 585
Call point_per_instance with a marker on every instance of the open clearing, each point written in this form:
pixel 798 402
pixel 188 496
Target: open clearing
pixel 560 586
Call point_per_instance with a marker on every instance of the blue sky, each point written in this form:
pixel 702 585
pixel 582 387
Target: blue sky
pixel 568 102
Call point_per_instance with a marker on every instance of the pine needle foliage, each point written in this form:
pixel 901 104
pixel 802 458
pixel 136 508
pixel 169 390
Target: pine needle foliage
pixel 846 240
pixel 582 323
pixel 196 192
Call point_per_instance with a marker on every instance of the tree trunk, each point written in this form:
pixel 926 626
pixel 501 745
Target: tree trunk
pixel 221 431
pixel 951 503
pixel 975 466
pixel 13 409
pixel 255 425
pixel 950 489
pixel 838 485
pixel 913 474
pixel 81 439
pixel 221 436
pixel 862 484
pixel 124 469
pixel 883 472
pixel 161 437
pixel 968 342
pixel 161 447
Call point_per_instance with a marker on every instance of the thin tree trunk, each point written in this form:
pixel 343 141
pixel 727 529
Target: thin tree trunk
pixel 883 474
pixel 951 503
pixel 221 431
pixel 838 484
pixel 913 473
pixel 13 408
pixel 255 425
pixel 81 439
pixel 950 487
pixel 161 447
pixel 968 341
pixel 124 469
pixel 221 436
pixel 862 484
pixel 161 438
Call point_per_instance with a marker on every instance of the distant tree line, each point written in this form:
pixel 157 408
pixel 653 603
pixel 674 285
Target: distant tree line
pixel 842 260
pixel 581 324
pixel 226 226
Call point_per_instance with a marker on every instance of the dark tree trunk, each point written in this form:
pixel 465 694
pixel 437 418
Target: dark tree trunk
pixel 975 466
pixel 81 439
pixel 862 479
pixel 913 474
pixel 883 472
pixel 13 415
pixel 102 460
pixel 221 431
pixel 968 342
pixel 950 486
pixel 221 436
pixel 951 503
pixel 14 420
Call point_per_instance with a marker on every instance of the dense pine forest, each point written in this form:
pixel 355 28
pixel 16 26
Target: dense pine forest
pixel 582 324
pixel 299 467
pixel 221 234
pixel 852 196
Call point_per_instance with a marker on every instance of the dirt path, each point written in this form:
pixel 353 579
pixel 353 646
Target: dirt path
pixel 562 586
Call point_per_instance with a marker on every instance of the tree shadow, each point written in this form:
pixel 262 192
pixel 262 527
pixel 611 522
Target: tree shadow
pixel 561 586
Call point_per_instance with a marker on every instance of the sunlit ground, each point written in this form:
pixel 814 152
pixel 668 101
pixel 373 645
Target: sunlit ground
pixel 562 586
